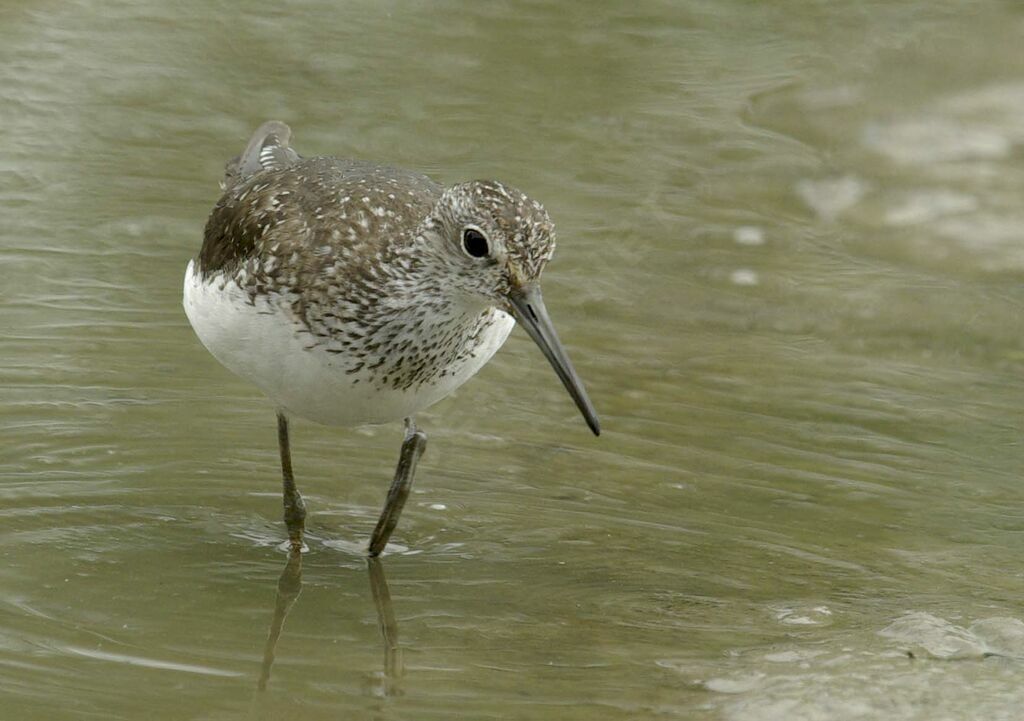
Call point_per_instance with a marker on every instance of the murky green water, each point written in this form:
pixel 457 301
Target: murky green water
pixel 790 270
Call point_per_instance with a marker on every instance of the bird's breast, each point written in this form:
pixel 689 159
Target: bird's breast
pixel 340 365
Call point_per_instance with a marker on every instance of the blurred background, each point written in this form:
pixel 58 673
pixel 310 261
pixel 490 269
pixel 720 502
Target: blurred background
pixel 790 271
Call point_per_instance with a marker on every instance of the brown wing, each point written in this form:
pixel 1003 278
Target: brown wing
pixel 299 212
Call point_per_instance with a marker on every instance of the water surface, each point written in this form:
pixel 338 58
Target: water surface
pixel 790 271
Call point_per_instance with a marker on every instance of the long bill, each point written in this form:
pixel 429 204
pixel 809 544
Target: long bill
pixel 528 308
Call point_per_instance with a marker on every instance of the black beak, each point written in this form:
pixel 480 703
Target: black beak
pixel 528 308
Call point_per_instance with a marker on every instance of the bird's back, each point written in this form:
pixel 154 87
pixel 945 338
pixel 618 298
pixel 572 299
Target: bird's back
pixel 294 213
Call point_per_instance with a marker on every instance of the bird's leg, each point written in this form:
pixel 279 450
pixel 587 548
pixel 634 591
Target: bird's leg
pixel 294 506
pixel 412 448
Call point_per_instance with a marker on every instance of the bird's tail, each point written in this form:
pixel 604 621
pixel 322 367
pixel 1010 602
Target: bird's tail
pixel 268 149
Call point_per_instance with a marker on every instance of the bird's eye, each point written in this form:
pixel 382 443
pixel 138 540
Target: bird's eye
pixel 474 243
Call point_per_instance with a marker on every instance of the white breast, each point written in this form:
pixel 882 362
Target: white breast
pixel 263 342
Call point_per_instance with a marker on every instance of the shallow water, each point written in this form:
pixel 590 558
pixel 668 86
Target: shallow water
pixel 790 271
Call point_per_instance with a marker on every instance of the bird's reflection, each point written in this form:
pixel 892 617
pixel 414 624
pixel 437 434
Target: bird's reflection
pixel 393 667
pixel 289 586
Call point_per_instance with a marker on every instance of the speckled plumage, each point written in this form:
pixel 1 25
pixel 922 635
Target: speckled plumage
pixel 357 259
pixel 354 293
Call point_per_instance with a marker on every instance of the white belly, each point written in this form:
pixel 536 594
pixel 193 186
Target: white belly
pixel 263 343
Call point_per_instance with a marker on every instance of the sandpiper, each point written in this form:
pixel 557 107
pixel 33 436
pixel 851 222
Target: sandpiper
pixel 353 293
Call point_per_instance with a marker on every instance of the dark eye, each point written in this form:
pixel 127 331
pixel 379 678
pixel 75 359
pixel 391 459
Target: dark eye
pixel 474 243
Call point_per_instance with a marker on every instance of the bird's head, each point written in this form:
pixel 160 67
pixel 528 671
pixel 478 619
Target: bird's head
pixel 492 243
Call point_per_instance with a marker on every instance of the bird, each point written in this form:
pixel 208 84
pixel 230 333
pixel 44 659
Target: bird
pixel 354 293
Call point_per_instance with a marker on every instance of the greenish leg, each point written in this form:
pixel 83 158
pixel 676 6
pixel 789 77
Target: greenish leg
pixel 294 506
pixel 412 448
